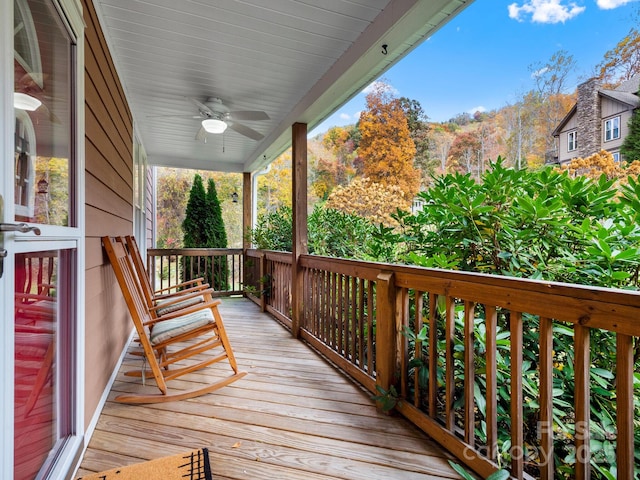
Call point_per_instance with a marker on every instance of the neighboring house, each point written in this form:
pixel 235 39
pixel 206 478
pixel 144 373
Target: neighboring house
pixel 598 121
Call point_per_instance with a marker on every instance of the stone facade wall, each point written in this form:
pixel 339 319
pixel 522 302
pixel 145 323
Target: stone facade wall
pixel 589 118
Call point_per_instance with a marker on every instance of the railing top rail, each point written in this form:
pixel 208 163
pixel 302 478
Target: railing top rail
pixel 276 255
pixel 157 252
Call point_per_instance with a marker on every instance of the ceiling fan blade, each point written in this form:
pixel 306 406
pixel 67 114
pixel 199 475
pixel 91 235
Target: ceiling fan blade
pixel 201 135
pixel 246 131
pixel 174 116
pixel 249 115
pixel 201 106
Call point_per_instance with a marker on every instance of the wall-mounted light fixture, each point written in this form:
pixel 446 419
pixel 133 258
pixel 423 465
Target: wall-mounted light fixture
pixel 234 197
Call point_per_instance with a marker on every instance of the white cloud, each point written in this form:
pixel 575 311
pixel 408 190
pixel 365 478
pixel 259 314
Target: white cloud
pixel 539 72
pixel 479 108
pixel 547 11
pixel 610 4
pixel 345 116
pixel 384 85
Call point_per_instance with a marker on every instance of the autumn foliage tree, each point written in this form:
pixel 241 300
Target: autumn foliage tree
pixel 386 148
pixel 622 62
pixel 368 199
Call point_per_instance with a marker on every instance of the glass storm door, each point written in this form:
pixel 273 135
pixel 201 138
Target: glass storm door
pixel 40 239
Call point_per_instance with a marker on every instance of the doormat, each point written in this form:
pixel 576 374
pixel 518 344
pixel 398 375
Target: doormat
pixel 191 466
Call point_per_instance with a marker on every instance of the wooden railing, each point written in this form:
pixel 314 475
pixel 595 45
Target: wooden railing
pixel 222 268
pixel 269 281
pixel 434 342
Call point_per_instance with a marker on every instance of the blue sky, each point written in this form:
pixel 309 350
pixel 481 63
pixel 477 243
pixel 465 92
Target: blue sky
pixel 481 58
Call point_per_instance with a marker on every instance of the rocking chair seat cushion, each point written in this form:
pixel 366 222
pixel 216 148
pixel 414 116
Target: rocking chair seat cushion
pixel 174 307
pixel 168 329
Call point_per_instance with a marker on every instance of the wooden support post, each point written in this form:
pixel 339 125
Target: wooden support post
pixel 385 331
pixel 247 210
pixel 300 247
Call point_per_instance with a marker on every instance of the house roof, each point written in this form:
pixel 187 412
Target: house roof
pixel 296 60
pixel 623 97
pixel 626 92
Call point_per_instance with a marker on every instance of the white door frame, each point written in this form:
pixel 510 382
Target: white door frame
pixel 53 237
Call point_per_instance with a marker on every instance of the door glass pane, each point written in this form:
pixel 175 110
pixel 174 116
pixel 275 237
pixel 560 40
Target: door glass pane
pixel 36 332
pixel 43 105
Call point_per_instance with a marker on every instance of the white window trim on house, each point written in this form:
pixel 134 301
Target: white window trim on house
pixel 616 156
pixel 572 141
pixel 612 129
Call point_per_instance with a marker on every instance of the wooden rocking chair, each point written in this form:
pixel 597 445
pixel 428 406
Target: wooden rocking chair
pixel 176 344
pixel 166 300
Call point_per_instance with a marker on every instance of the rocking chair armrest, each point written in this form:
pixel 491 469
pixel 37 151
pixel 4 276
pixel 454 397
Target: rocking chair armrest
pixel 172 301
pixel 185 311
pixel 197 288
pixel 198 280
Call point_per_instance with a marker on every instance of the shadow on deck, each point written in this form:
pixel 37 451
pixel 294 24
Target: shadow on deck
pixel 293 416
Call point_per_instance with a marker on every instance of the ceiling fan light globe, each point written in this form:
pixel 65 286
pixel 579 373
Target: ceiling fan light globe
pixel 213 125
pixel 22 101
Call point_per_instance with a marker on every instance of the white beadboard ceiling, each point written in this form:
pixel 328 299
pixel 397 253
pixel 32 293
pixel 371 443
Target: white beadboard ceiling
pixel 296 60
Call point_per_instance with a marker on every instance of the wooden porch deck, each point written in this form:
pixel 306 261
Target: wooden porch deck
pixel 292 417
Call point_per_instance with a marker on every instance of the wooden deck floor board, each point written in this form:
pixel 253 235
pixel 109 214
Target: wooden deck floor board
pixel 292 417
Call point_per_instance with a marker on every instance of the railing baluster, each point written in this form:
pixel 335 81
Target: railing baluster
pixel 339 329
pixel 354 319
pixel 433 355
pixel 582 336
pixel 624 411
pixel 491 321
pixel 334 307
pixel 418 346
pixel 370 319
pixel 449 413
pixel 517 428
pixel 361 361
pixel 469 373
pixel 402 345
pixel 545 423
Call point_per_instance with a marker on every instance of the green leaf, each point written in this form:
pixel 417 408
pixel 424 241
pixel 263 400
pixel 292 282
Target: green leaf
pixel 499 475
pixel 461 471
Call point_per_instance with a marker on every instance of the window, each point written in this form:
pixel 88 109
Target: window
pixel 572 141
pixel 616 156
pixel 612 129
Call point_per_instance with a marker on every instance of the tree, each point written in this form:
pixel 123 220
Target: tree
pixel 622 62
pixel 274 187
pixel 552 102
pixel 386 148
pixel 441 141
pixel 216 237
pixel 203 227
pixel 419 130
pixel 465 152
pixel 630 148
pixel 194 225
pixel 336 166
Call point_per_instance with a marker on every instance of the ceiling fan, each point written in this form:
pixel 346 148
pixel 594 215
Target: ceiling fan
pixel 216 117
